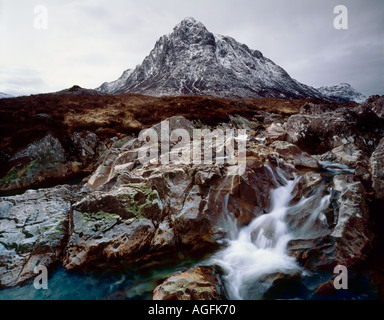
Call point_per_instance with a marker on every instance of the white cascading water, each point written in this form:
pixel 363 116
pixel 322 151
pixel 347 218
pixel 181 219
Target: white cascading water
pixel 260 248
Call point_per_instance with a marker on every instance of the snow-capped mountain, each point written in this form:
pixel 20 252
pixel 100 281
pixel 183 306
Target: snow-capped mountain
pixel 4 95
pixel 192 60
pixel 342 92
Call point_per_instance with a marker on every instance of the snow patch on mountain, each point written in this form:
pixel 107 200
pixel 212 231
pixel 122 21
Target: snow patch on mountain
pixel 343 92
pixel 117 84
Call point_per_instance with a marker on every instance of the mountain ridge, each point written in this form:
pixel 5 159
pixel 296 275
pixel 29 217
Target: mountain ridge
pixel 343 91
pixel 193 61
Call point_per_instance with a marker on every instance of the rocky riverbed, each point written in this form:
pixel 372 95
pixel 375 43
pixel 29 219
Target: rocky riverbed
pixel 130 217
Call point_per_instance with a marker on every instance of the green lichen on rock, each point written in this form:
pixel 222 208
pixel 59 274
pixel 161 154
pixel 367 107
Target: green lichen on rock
pixel 18 173
pixel 142 201
pixel 10 177
pixel 120 143
pixel 88 224
pixel 132 201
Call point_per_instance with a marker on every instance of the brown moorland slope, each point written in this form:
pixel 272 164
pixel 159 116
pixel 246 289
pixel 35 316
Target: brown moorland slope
pixel 24 120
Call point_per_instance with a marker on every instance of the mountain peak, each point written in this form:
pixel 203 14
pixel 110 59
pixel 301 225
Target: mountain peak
pixel 193 61
pixel 342 92
pixel 191 31
pixel 190 22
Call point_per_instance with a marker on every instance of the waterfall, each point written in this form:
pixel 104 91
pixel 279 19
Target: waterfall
pixel 259 249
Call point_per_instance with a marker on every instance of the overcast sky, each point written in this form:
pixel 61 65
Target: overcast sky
pixel 88 42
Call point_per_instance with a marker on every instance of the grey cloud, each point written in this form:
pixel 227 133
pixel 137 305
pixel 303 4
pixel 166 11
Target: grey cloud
pixel 103 38
pixel 21 81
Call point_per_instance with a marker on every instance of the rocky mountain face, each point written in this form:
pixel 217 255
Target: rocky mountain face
pixel 193 61
pixel 129 213
pixel 343 93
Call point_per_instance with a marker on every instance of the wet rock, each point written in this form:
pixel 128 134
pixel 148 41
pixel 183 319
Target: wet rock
pixel 198 283
pixel 195 198
pixel 41 160
pixel 349 154
pixel 48 148
pixel 187 198
pixel 316 131
pixel 327 289
pixel 352 232
pixel 243 123
pixel 123 157
pixel 176 209
pixel 174 123
pixel 173 182
pixel 260 153
pixel 275 133
pixel 118 158
pixel 284 286
pixel 88 148
pixel 164 239
pixel 348 239
pixel 167 213
pixel 207 173
pixel 376 104
pixel 356 161
pixel 169 209
pixel 377 170
pixel 294 155
pixel 267 117
pixel 108 227
pixel 314 108
pixel 33 231
pixel 249 194
pixel 126 201
pixel 308 183
pixel 104 239
pixel 314 254
pixel 103 171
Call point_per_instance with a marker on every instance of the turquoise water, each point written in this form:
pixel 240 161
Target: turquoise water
pixel 64 285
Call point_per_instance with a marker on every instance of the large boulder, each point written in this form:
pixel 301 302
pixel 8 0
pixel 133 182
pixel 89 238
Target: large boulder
pixel 87 148
pixel 347 154
pixel 198 283
pixel 349 238
pixel 122 157
pixel 167 213
pixel 317 129
pixel 113 227
pixel 294 155
pixel 33 231
pixel 274 133
pixel 40 161
pixel 352 231
pixel 376 104
pixel 377 170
